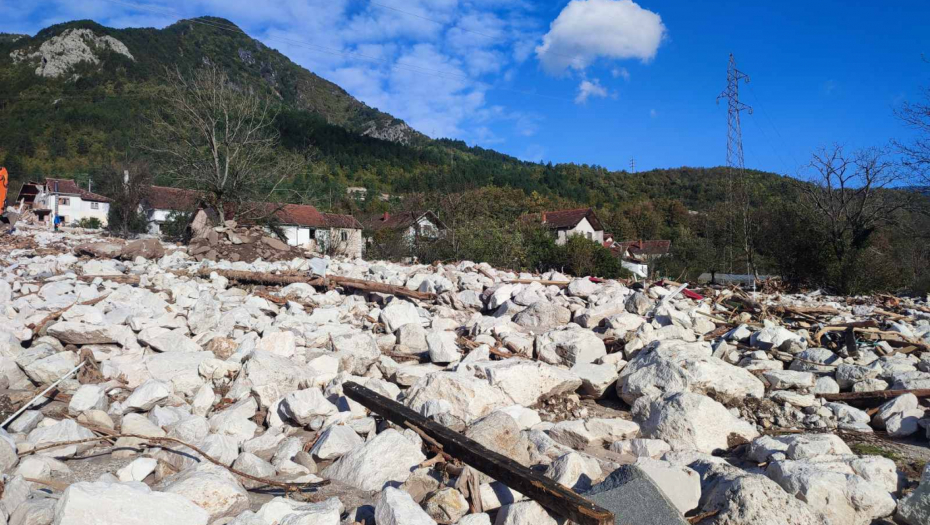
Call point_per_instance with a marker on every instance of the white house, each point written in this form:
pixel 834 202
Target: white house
pixel 411 225
pixel 565 223
pixel 303 225
pixel 65 199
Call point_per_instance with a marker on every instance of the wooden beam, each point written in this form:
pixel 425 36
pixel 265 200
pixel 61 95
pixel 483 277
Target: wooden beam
pixel 557 499
pixel 346 282
pixel 876 395
pixel 560 284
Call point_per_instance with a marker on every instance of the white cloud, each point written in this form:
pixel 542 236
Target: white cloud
pixel 586 30
pixel 620 72
pixel 653 113
pixel 589 89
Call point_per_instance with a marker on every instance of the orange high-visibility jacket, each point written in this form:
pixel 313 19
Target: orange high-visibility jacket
pixel 4 184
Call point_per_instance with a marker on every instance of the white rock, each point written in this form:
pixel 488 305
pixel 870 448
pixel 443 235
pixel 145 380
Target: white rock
pixel 582 287
pixel 64 430
pixel 205 315
pixel 389 457
pixel 50 369
pixel 524 513
pixel 335 442
pixel 470 398
pixel 889 409
pixel 443 347
pixel 671 367
pixel 396 507
pixel 211 488
pixel 303 406
pixel 841 495
pixel 399 313
pixel 689 421
pixel 640 447
pixel 914 509
pixel 169 341
pixel 785 379
pixel 569 346
pixel 138 470
pixel 595 379
pixel 681 484
pixel 283 343
pixel 575 471
pixel 146 396
pixel 528 382
pixel 102 503
pixel 272 376
pixel 87 397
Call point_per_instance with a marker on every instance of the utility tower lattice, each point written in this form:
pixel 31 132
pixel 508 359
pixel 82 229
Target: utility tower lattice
pixel 735 164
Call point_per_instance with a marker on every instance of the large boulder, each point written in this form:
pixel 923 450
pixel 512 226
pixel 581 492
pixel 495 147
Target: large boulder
pixel 272 376
pixel 689 421
pixel 527 382
pixel 102 503
pixel 914 509
pixel 835 489
pixel 739 498
pixel 568 346
pixel 389 458
pixel 543 315
pixel 469 398
pixel 682 367
pixel 211 488
pixel 500 433
pixel 399 313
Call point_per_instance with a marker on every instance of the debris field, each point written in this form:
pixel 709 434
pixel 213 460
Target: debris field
pixel 149 384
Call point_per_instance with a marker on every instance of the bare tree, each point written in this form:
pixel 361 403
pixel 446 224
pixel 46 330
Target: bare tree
pixel 219 138
pixel 917 153
pixel 126 184
pixel 853 195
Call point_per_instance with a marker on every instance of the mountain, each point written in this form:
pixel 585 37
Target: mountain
pixel 73 98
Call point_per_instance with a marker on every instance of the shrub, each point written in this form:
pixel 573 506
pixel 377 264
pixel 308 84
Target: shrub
pixel 175 226
pixel 91 223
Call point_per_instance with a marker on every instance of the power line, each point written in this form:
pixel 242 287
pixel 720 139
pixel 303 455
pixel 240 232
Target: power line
pixel 404 66
pixel 772 123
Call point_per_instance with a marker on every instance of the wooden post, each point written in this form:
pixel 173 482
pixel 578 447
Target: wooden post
pixel 557 499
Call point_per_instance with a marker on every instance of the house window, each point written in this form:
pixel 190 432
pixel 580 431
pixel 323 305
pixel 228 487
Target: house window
pixel 64 201
pixel 95 205
pixel 345 236
pixel 589 235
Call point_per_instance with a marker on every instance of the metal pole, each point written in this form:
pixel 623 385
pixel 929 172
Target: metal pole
pixel 31 401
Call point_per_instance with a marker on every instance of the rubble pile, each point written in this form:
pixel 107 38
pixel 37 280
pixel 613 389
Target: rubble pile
pixel 234 243
pixel 196 400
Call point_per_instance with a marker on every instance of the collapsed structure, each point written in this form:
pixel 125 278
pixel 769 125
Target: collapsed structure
pixel 216 392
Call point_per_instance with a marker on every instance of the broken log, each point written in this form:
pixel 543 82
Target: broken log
pixel 560 284
pixel 873 396
pixel 557 499
pixel 270 279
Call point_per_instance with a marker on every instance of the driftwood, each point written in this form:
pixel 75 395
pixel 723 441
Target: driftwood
pixel 37 328
pixel 874 396
pixel 556 498
pixel 560 284
pixel 118 278
pixel 842 328
pixel 162 441
pixel 333 280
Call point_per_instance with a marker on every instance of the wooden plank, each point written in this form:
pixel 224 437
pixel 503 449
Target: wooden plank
pixel 560 284
pixel 557 499
pixel 346 282
pixel 877 395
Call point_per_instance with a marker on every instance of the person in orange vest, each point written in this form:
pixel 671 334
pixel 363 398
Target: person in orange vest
pixel 4 184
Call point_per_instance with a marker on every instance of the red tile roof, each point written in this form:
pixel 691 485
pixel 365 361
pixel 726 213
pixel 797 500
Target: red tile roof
pixel 645 247
pixel 567 219
pixel 69 187
pixel 399 221
pixel 175 199
pixel 306 215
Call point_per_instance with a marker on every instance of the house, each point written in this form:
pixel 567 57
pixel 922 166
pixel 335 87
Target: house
pixel 64 198
pixel 161 201
pixel 639 256
pixel 302 224
pixel 565 223
pixel 411 226
pixel 305 226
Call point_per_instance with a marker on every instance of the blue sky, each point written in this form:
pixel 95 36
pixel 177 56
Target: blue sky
pixel 587 81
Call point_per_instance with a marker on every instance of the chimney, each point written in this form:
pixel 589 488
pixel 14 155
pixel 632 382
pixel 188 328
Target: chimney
pixel 543 215
pixel 125 176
